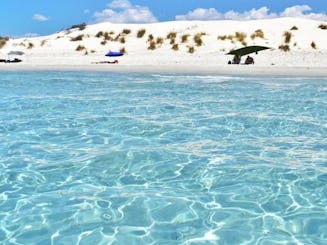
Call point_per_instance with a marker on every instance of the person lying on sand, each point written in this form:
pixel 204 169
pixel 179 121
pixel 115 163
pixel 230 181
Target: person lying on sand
pixel 106 62
pixel 11 61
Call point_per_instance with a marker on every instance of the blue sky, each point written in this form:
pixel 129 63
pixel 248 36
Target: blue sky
pixel 41 17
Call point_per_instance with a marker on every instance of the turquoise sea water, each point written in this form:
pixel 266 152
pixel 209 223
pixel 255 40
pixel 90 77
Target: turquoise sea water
pixel 101 158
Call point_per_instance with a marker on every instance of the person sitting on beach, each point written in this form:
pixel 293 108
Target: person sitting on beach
pixel 236 59
pixel 249 60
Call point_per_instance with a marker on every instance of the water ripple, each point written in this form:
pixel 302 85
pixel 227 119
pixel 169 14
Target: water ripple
pixel 101 158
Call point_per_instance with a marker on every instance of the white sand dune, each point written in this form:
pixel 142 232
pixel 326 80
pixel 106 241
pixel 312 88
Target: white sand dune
pixel 307 45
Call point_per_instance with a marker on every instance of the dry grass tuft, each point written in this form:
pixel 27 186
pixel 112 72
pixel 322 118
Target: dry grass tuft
pixel 284 47
pixel 107 37
pixel 287 37
pixel 77 38
pixel 141 33
pixel 191 49
pixel 116 39
pixel 43 42
pixel 258 34
pixel 223 38
pixel 313 45
pixel 198 39
pixel 80 48
pixel 30 46
pixel 152 45
pixel 159 40
pixel 175 47
pixel 126 31
pixel 171 35
pixel 150 38
pixel 3 41
pixel 322 26
pixel 184 38
pixel 238 37
pixel 122 40
pixel 99 34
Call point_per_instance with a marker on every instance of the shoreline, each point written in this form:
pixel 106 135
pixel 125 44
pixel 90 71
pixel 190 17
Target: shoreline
pixel 238 70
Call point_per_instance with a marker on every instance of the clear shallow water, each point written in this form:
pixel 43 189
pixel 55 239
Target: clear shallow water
pixel 100 158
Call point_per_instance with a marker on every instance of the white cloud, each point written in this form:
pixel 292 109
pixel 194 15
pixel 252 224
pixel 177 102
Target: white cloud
pixel 253 14
pixel 40 17
pixel 122 4
pixel 31 35
pixel 213 14
pixel 122 11
pixel 302 11
pixel 201 14
pixel 295 11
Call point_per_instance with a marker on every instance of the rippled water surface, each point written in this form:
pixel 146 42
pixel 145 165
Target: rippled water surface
pixel 101 158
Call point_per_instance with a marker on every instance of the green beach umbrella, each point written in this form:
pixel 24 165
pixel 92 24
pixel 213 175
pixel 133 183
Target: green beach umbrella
pixel 247 50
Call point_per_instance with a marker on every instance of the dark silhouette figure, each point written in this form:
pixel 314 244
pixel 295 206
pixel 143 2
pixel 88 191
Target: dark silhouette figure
pixel 236 59
pixel 249 60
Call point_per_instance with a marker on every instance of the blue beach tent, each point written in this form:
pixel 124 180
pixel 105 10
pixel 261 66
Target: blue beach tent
pixel 114 53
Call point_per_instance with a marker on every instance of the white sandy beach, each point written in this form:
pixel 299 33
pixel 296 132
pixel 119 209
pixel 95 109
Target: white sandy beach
pixel 307 43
